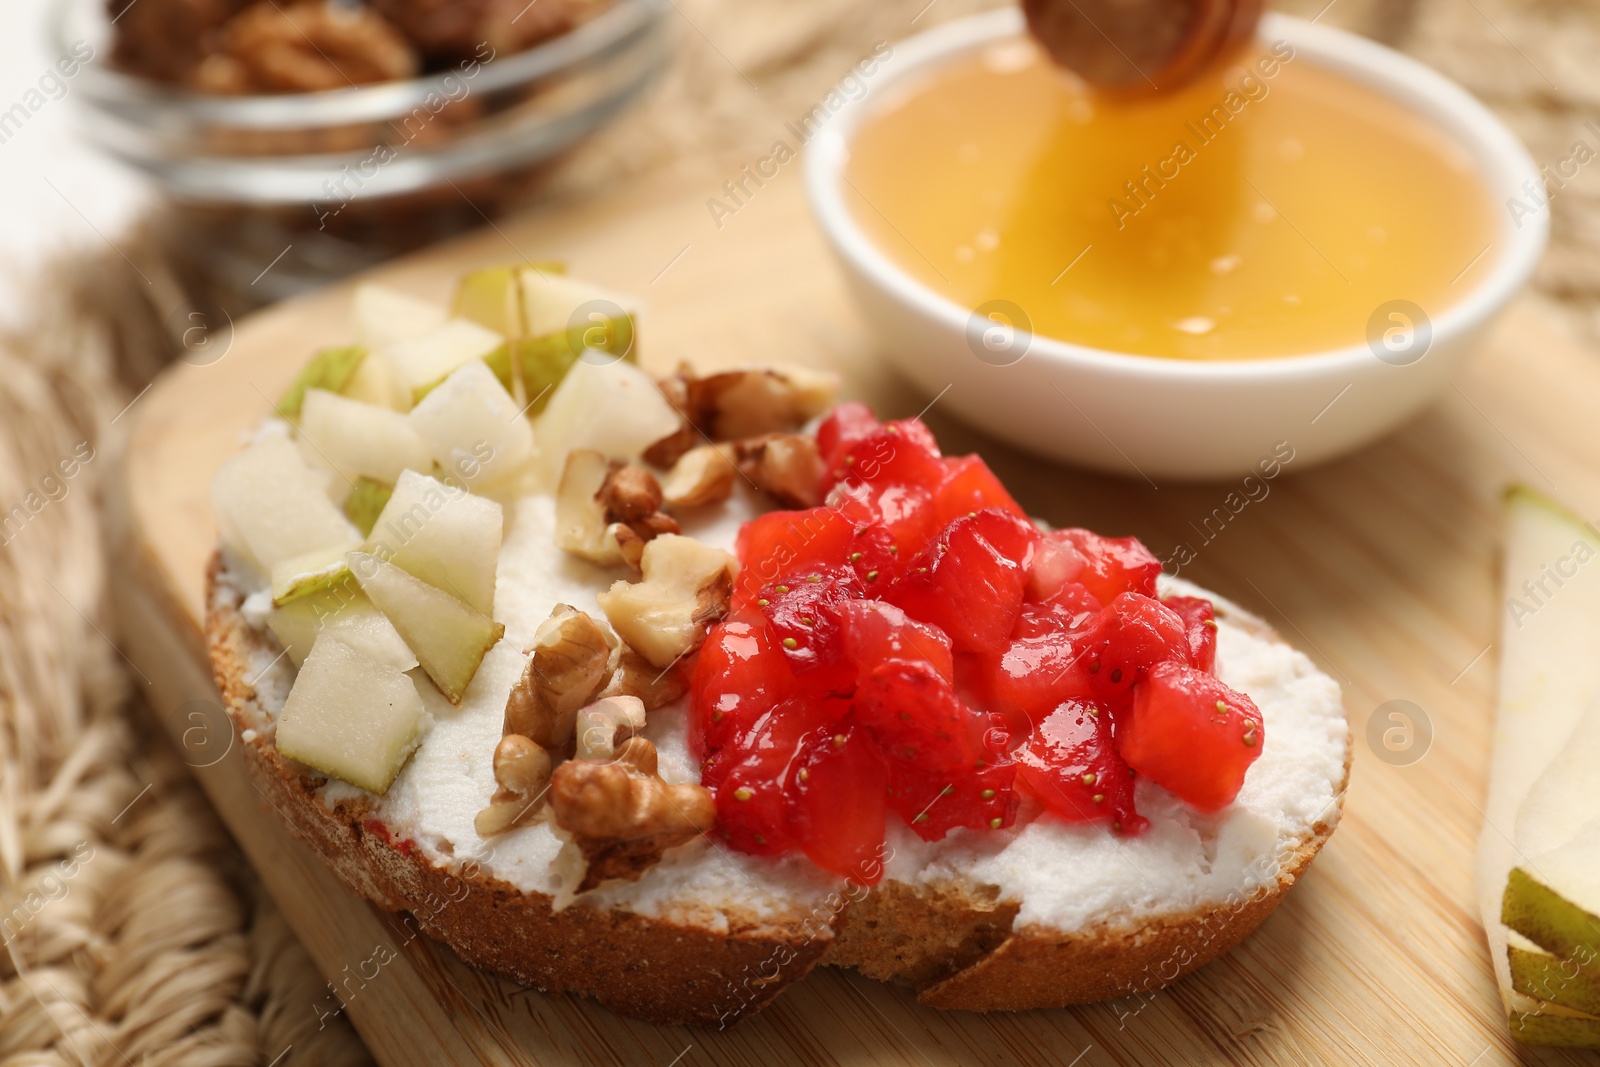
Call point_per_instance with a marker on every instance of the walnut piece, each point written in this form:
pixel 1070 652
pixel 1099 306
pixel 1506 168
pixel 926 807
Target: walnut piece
pixel 305 47
pixel 572 660
pixel 638 753
pixel 607 511
pixel 636 676
pixel 701 476
pixel 581 526
pixel 522 774
pixel 602 724
pixel 685 586
pixel 623 821
pixel 630 494
pixel 164 39
pixel 786 465
pixel 463 29
pixel 735 404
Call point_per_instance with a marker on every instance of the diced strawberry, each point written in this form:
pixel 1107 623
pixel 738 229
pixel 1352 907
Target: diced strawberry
pixel 969 583
pixel 1035 674
pixel 747 778
pixel 1071 608
pixel 933 805
pixel 739 674
pixel 838 789
pixel 943 770
pixel 1070 764
pixel 890 477
pixel 799 611
pixel 1191 735
pixel 915 716
pixel 969 485
pixel 1200 622
pixel 845 427
pixel 779 544
pixel 1131 635
pixel 895 453
pixel 875 557
pixel 873 632
pixel 1108 566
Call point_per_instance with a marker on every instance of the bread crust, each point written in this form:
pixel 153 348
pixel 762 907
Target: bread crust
pixel 956 946
pixel 649 968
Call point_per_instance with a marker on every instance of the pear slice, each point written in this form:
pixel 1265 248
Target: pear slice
pixel 1565 797
pixel 330 368
pixel 383 316
pixel 613 408
pixel 445 536
pixel 270 506
pixel 365 502
pixel 563 318
pixel 1548 977
pixel 449 636
pixel 1548 678
pixel 361 440
pixel 1553 899
pixel 342 611
pixel 350 716
pixel 313 572
pixel 473 429
pixel 423 361
pixel 1538 1022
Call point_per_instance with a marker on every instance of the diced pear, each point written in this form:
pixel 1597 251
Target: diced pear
pixel 1548 678
pixel 383 316
pixel 313 572
pixel 684 588
pixel 376 382
pixel 445 536
pixel 270 506
pixel 563 318
pixel 492 296
pixel 350 716
pixel 423 361
pixel 343 612
pixel 473 428
pixel 330 368
pixel 1545 976
pixel 550 300
pixel 613 408
pixel 449 636
pixel 365 502
pixel 362 440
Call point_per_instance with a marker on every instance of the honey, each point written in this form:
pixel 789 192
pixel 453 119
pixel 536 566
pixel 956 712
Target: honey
pixel 1269 208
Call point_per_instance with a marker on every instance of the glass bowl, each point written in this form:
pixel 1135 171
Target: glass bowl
pixel 331 182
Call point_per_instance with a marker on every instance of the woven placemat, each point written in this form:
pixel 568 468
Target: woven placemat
pixel 132 932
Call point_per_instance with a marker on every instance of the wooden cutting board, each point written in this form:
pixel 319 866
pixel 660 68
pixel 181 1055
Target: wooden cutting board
pixel 1382 566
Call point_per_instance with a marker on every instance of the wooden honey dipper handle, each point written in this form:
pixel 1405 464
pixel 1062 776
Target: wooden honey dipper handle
pixel 1140 46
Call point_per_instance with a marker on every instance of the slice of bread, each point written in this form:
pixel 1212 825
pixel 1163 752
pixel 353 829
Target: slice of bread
pixel 1045 916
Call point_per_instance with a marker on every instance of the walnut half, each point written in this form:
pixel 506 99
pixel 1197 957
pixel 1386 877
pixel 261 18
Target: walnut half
pixel 622 821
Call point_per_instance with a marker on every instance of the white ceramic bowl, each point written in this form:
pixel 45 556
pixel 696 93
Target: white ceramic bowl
pixel 1172 418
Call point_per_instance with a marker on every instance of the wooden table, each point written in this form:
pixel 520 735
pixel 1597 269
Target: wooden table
pixel 1382 566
